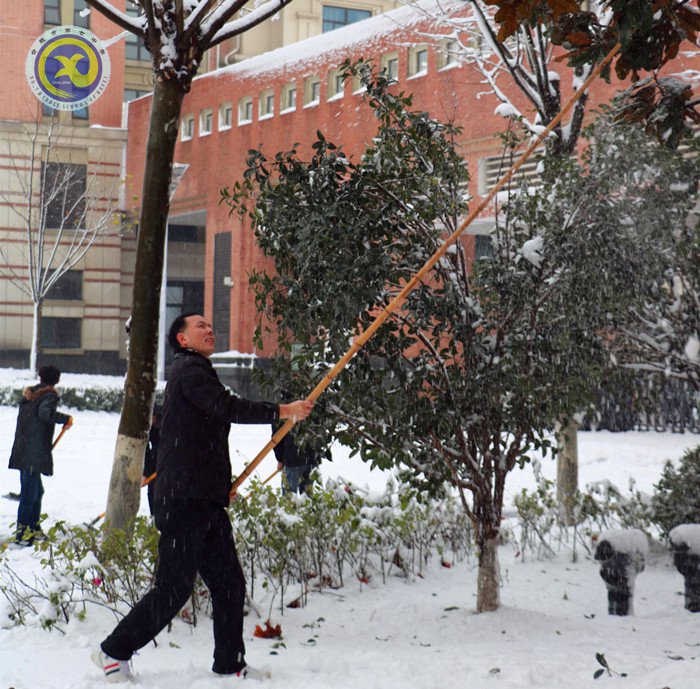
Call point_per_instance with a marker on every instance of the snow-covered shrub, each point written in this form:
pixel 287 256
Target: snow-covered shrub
pixel 676 499
pixel 77 571
pixel 328 538
pixel 542 526
pixel 341 533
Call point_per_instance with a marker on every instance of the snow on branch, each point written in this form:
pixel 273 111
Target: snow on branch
pixel 214 35
pixel 131 24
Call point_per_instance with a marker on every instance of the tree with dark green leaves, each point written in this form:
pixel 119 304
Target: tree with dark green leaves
pixel 480 362
pixel 650 34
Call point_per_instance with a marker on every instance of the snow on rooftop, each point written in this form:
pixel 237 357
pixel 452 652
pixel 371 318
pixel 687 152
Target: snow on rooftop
pixel 311 50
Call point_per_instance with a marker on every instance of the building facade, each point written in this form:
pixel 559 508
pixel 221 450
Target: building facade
pixel 83 316
pixel 283 97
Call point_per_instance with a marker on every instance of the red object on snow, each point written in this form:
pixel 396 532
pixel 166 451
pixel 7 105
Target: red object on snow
pixel 269 632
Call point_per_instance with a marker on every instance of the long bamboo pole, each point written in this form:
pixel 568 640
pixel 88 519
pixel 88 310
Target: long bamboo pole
pixel 101 515
pixel 362 339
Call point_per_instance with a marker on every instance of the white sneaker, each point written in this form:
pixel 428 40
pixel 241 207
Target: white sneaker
pixel 116 671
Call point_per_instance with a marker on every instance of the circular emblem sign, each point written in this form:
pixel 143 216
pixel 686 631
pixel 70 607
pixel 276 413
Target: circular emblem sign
pixel 67 68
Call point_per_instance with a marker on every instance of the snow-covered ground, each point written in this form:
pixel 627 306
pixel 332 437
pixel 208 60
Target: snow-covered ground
pixel 421 634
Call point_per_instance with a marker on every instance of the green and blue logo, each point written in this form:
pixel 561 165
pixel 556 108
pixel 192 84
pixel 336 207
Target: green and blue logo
pixel 67 68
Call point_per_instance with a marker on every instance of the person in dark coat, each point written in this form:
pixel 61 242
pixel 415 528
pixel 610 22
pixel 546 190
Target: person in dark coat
pixel 31 451
pixel 151 456
pixel 191 495
pixel 297 463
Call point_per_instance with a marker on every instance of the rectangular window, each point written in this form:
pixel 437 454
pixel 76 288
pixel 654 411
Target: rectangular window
pixel 68 287
pixel 245 110
pixel 135 48
pixel 61 333
pixel 491 169
pixel 225 116
pixel 80 114
pixel 312 91
pixel 483 247
pixel 132 94
pixel 418 61
pixel 337 17
pixel 187 131
pixel 289 97
pixel 81 14
pixel 52 12
pixel 390 65
pixel 192 234
pixel 48 111
pixel 63 194
pixel 336 86
pixel 266 106
pixel 206 119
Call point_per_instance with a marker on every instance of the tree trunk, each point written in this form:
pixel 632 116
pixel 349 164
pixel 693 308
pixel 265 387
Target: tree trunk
pixel 567 470
pixel 36 336
pixel 487 592
pixel 140 385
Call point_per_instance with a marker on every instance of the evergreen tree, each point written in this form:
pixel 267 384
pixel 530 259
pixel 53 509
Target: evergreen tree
pixel 481 360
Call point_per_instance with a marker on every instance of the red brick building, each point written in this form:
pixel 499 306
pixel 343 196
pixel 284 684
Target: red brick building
pixel 283 97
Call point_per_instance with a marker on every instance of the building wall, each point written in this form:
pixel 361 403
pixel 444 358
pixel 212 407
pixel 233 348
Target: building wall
pixel 107 268
pixel 217 159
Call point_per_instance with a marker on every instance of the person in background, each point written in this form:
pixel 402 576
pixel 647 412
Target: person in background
pixel 192 492
pixel 151 456
pixel 298 463
pixel 32 449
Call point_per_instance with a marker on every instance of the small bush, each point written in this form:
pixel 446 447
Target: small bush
pixel 333 537
pixel 676 499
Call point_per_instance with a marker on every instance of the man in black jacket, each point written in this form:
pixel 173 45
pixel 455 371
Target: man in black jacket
pixel 191 496
pixel 31 451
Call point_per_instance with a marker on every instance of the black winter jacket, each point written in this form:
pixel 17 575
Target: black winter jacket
pixel 193 456
pixel 290 454
pixel 36 422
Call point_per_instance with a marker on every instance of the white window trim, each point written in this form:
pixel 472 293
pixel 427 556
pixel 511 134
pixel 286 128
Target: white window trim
pixel 183 129
pixel 202 115
pixel 241 122
pixel 222 125
pixel 337 96
pixel 451 65
pixel 286 111
pixel 312 103
pixel 264 96
pixel 417 75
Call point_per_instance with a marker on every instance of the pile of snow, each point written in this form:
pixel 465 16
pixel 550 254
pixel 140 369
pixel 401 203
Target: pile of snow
pixel 686 534
pixel 628 541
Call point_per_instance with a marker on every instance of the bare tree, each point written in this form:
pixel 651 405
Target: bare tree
pixel 65 208
pixel 176 33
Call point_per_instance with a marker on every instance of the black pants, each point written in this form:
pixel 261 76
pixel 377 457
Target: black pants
pixel 195 536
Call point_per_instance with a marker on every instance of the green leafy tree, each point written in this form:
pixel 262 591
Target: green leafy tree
pixel 477 365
